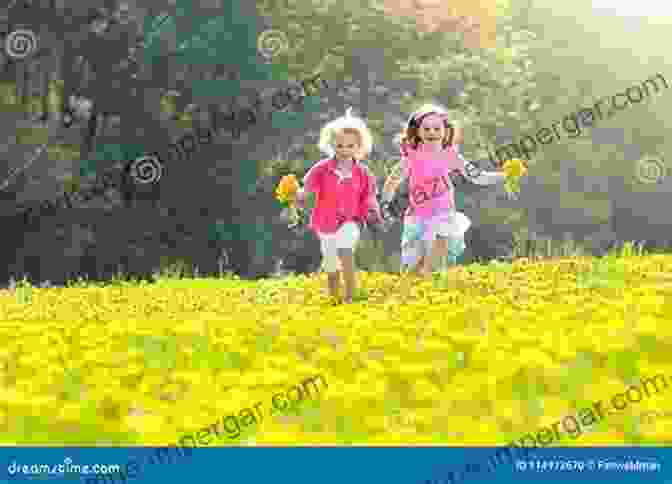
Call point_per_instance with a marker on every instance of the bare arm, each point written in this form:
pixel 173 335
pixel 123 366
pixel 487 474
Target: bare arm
pixel 395 178
pixel 458 135
pixel 475 175
pixel 311 183
pixel 371 201
pixel 301 198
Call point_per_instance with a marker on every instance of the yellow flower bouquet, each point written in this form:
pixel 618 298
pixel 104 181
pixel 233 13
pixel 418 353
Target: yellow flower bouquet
pixel 287 190
pixel 286 194
pixel 514 170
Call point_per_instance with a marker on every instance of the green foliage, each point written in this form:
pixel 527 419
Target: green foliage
pixel 578 374
pixel 160 353
pixel 527 82
pixel 31 136
pixel 8 96
pixel 264 343
pixel 288 119
pixel 69 152
pixel 32 430
pixel 496 81
pixel 604 273
pixel 175 268
pixel 109 153
pixel 24 292
pixel 530 246
pixel 72 384
pixel 626 362
pixel 563 89
pixel 281 166
pixel 370 256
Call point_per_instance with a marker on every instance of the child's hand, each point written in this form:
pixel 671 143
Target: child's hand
pixel 373 219
pixel 300 198
pixel 391 186
pixel 378 225
pixel 391 211
pixel 286 215
pixel 387 218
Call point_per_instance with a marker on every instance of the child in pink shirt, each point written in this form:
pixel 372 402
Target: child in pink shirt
pixel 345 198
pixel 433 228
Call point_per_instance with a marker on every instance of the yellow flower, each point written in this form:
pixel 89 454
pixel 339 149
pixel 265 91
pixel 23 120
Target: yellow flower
pixel 514 168
pixel 478 348
pixel 145 423
pixel 287 188
pixel 535 357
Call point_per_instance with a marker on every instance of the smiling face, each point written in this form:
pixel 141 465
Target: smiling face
pixel 432 131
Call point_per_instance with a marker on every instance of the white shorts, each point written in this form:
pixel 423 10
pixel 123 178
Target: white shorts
pixel 346 237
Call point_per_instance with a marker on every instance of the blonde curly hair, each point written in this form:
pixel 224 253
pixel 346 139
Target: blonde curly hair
pixel 346 124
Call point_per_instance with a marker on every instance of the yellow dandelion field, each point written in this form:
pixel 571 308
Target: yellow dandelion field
pixel 480 355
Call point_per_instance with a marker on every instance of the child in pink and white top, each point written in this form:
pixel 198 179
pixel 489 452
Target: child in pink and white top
pixel 345 198
pixel 433 228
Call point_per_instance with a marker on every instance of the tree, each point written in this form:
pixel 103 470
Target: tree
pixel 358 43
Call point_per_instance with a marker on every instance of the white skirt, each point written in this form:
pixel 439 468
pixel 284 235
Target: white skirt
pixel 419 236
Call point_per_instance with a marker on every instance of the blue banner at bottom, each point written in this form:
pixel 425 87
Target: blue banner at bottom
pixel 337 465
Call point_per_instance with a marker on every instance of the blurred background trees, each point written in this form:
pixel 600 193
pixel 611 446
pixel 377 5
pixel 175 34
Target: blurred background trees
pixel 215 209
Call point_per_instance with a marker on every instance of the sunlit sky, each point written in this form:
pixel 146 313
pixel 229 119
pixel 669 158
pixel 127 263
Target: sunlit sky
pixel 638 8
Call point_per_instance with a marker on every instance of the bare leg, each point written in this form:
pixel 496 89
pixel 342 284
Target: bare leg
pixel 420 266
pixel 334 280
pixel 426 270
pixel 439 249
pixel 348 263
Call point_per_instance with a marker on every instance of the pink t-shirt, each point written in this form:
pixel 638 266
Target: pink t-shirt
pixel 338 198
pixel 431 191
